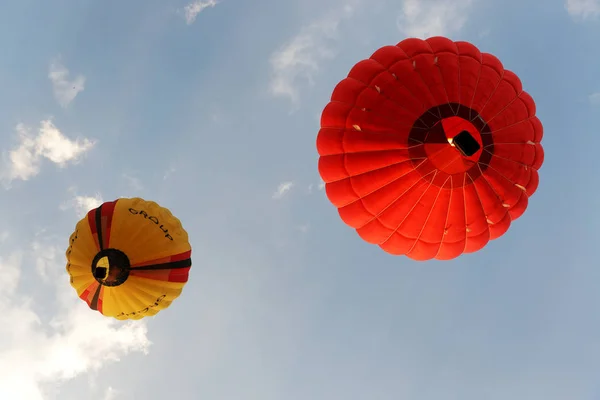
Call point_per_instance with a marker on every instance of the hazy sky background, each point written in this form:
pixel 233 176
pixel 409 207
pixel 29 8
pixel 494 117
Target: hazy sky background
pixel 212 110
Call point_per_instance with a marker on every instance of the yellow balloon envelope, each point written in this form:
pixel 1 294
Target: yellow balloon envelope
pixel 129 258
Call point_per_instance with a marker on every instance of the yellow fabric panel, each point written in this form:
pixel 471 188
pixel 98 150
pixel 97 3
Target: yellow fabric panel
pixel 146 231
pixel 80 255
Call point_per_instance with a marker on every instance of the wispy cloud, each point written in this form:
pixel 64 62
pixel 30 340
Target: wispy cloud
pixel 110 394
pixel 595 98
pixel 82 204
pixel 192 10
pixel 37 354
pixel 424 18
pixel 50 143
pixel 282 189
pixel 169 172
pixel 304 228
pixel 299 59
pixel 583 8
pixel 65 89
pixel 320 186
pixel 133 182
pixel 46 258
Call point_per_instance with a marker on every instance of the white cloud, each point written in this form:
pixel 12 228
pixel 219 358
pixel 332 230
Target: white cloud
pixel 134 182
pixel 24 161
pixel 169 172
pixel 65 90
pixel 299 58
pixel 282 189
pixel 595 98
pixel 38 356
pixel 303 228
pixel 45 260
pixel 82 204
pixel 583 8
pixel 320 186
pixel 110 394
pixel 50 143
pixel 192 10
pixel 425 18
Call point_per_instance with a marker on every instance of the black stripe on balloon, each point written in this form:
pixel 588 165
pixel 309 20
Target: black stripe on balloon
pixel 94 303
pixel 170 265
pixel 99 227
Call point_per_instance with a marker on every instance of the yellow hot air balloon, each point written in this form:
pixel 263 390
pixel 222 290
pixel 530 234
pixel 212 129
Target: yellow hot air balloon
pixel 129 258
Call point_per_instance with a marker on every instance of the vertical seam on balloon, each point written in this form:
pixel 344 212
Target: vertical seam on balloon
pixel 489 166
pixel 422 178
pixel 439 70
pixel 354 106
pixel 464 189
pixel 371 170
pixel 344 160
pixel 122 302
pixel 480 61
pixel 382 186
pixel 476 87
pixel 429 214
pixel 499 198
pixel 376 216
pixel 485 215
pixel 504 158
pixel 485 212
pixel 132 299
pixel 342 145
pixel 490 95
pixel 410 59
pixel 385 69
pixel 447 216
pixel 495 131
pixel 458 82
pixel 368 86
pixel 508 105
pixel 395 62
pixel 508 180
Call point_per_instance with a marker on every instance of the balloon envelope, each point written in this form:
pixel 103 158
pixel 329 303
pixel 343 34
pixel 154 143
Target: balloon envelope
pixel 129 258
pixel 430 148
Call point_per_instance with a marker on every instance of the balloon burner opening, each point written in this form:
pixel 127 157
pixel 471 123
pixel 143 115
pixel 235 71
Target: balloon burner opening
pixel 111 267
pixel 465 143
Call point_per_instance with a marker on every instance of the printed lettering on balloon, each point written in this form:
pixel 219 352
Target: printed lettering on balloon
pixel 145 310
pixel 153 219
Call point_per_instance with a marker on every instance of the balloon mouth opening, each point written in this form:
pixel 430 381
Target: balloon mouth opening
pixel 111 267
pixel 466 144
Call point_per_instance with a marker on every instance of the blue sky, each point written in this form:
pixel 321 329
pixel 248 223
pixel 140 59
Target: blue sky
pixel 212 110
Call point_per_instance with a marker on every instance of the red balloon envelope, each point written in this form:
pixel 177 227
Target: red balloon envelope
pixel 430 148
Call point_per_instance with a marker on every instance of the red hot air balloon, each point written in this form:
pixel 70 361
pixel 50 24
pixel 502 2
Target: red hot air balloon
pixel 430 148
